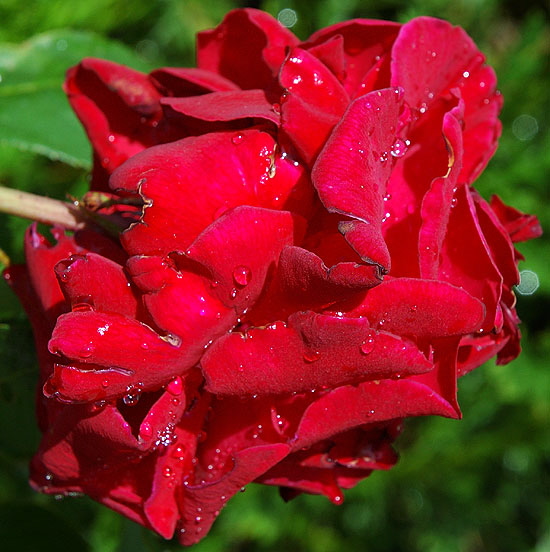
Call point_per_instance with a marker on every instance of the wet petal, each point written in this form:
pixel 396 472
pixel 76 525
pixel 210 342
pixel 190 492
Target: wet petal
pixel 368 402
pixel 182 199
pixel 92 282
pixel 224 106
pixel 422 308
pixel 313 103
pixel 248 48
pixel 365 42
pixel 351 182
pixel 202 503
pixel 313 351
pixel 104 369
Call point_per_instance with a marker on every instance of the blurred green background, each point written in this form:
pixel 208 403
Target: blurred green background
pixel 480 484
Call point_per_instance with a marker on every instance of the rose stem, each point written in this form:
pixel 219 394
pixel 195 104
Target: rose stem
pixel 41 209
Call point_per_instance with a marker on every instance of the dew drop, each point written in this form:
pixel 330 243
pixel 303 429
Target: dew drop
pixel 311 356
pixel 133 394
pixel 241 275
pixel 105 383
pixel 145 430
pixel 383 157
pixel 399 148
pixel 167 472
pixel 83 303
pixel 368 345
pixel 87 351
pixel 175 387
pixel 237 139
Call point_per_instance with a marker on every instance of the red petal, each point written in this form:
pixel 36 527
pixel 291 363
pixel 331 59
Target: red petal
pixel 466 259
pixel 202 503
pixel 365 41
pixel 189 81
pixel 248 47
pixel 422 308
pixel 92 281
pixel 371 401
pixel 313 104
pixel 438 200
pixel 182 199
pixel 520 227
pixel 224 106
pixel 352 182
pixel 314 351
pixel 482 128
pixel 119 108
pixel 240 248
pixel 106 369
pixel 429 57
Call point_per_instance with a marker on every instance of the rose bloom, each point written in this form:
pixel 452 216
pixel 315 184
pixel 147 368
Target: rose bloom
pixel 300 263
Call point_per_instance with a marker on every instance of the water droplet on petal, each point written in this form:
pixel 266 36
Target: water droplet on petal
pixel 175 387
pixel 87 351
pixel 311 356
pixel 399 148
pixel 145 430
pixel 368 345
pixel 241 275
pixel 84 303
pixel 237 139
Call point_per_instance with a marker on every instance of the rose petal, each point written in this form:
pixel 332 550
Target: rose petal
pixel 189 81
pixel 105 369
pixel 466 259
pixel 224 106
pixel 314 351
pixel 368 402
pixel 241 247
pixel 313 103
pixel 242 171
pixel 93 282
pixel 429 57
pixel 519 226
pixel 202 503
pixel 365 42
pixel 248 47
pixel 421 308
pixel 118 106
pixel 438 201
pixel 352 182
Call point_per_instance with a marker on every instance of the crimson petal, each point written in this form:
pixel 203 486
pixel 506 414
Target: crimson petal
pixel 202 503
pixel 313 104
pixel 429 57
pixel 224 106
pixel 314 351
pixel 189 81
pixel 248 47
pixel 182 198
pixel 106 369
pixel 92 281
pixel 352 171
pixel 422 308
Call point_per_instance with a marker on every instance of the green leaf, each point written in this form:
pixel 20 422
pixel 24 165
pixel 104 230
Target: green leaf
pixel 34 112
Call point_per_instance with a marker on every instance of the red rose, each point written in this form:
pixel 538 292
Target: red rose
pixel 308 265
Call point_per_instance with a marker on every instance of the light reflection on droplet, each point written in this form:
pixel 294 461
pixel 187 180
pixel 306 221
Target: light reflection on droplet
pixel 528 282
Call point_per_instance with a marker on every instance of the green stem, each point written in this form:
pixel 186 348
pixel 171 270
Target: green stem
pixel 41 209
